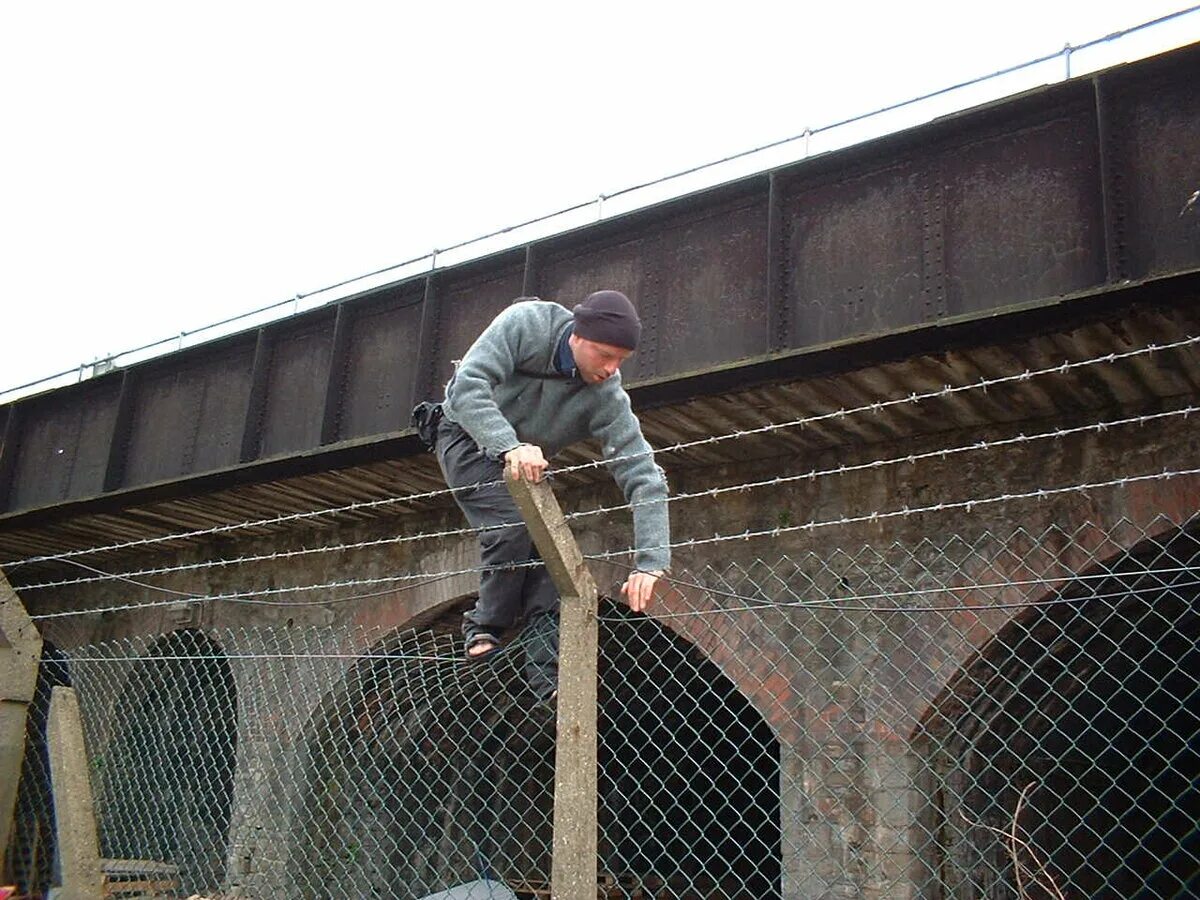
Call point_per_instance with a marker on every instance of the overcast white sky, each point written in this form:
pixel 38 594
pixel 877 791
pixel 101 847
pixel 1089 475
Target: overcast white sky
pixel 166 164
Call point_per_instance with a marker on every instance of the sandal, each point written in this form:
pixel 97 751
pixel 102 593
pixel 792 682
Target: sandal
pixel 478 638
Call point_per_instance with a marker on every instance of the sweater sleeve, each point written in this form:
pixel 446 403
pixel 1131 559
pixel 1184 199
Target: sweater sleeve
pixel 631 461
pixel 470 394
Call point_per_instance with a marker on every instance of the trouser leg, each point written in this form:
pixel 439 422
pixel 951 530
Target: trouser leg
pixel 501 590
pixel 504 594
pixel 541 653
pixel 541 648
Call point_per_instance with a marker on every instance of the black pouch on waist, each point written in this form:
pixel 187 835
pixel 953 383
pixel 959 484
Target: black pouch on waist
pixel 425 418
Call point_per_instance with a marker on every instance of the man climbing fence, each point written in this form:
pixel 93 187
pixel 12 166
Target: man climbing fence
pixel 538 379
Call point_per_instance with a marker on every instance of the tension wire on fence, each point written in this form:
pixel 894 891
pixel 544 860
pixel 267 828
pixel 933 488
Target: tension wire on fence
pixel 845 603
pixel 365 655
pixel 192 595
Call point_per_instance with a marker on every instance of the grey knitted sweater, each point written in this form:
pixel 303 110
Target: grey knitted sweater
pixel 506 392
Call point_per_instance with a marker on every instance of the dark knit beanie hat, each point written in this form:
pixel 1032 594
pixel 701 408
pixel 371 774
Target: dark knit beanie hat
pixel 607 317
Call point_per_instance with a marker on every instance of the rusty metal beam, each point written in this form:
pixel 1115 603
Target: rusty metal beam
pixel 529 282
pixel 114 470
pixel 253 429
pixel 1104 141
pixel 776 306
pixel 424 382
pixel 811 362
pixel 336 380
pixel 8 451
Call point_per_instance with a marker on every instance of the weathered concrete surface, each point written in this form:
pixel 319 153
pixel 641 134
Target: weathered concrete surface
pixel 20 650
pixel 575 799
pixel 74 811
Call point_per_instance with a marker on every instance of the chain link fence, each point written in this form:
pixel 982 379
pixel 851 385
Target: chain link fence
pixel 997 715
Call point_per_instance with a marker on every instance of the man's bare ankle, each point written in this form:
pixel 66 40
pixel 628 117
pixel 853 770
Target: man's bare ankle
pixel 480 648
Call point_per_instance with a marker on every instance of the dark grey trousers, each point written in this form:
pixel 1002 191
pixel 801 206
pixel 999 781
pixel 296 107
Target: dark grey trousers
pixel 506 596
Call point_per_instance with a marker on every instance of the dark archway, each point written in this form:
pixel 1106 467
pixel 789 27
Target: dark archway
pixel 1092 708
pixel 423 772
pixel 166 777
pixel 30 858
pixel 689 770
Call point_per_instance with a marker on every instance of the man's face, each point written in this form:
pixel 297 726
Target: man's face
pixel 595 361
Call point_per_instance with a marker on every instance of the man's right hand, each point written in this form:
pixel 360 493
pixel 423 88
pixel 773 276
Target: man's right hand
pixel 525 463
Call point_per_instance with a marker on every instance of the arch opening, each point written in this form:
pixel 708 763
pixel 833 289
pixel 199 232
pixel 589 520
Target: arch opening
pixel 165 780
pixel 424 772
pixel 1086 714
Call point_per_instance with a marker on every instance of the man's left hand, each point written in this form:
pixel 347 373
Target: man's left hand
pixel 639 588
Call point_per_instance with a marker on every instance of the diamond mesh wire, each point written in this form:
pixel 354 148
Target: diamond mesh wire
pixel 30 863
pixel 994 715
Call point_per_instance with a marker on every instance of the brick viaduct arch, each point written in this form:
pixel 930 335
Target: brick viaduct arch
pixel 1092 705
pixel 420 772
pixel 165 778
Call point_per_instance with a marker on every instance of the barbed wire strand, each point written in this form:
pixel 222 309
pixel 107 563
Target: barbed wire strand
pixel 252 597
pixel 192 595
pixel 845 602
pixel 406 657
pixel 811 475
pixel 878 406
pixel 874 407
pixel 875 516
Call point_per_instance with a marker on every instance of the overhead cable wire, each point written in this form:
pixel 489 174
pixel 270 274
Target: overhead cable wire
pixel 811 475
pixel 874 407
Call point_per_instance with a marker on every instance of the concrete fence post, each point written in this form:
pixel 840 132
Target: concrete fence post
pixel 74 812
pixel 573 870
pixel 20 654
